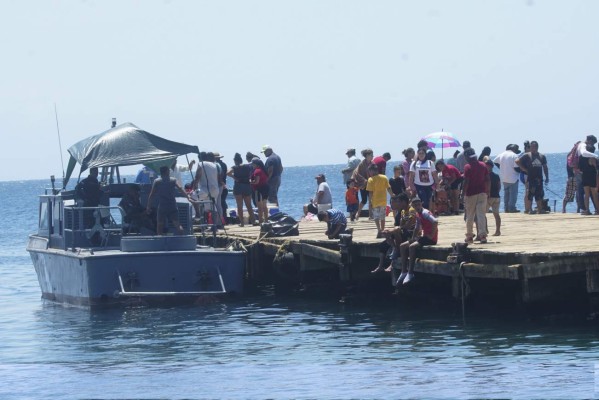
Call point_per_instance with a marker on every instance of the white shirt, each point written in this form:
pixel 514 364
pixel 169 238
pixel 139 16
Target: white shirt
pixel 326 194
pixel 583 152
pixel 507 163
pixel 423 172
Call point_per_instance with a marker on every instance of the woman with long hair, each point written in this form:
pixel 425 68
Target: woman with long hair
pixel 242 189
pixel 422 177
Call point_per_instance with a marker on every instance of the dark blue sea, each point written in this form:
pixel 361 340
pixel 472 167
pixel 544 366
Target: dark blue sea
pixel 266 346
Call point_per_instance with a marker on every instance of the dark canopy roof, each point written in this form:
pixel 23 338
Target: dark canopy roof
pixel 124 144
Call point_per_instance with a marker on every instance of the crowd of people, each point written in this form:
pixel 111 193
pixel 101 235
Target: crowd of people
pixel 256 181
pixel 423 188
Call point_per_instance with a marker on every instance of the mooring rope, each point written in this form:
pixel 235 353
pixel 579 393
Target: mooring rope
pixel 281 251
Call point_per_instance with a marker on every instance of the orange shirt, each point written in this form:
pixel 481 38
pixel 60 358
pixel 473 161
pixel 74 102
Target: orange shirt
pixel 351 195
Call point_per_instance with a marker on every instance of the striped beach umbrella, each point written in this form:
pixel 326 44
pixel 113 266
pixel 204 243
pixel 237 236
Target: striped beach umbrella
pixel 441 140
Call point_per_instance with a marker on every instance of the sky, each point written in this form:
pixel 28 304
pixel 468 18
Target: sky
pixel 309 78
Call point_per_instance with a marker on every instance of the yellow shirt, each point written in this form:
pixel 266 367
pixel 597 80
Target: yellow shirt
pixel 377 186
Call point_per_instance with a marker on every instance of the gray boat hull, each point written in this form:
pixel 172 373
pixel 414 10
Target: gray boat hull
pixel 99 278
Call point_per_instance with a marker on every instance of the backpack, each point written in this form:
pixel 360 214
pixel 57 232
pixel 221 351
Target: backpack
pixel 573 158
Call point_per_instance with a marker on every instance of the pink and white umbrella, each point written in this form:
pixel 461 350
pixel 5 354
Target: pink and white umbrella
pixel 441 140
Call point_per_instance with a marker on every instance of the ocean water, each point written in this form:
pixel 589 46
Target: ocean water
pixel 267 346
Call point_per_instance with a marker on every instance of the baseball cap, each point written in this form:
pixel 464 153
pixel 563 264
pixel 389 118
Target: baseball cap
pixel 266 147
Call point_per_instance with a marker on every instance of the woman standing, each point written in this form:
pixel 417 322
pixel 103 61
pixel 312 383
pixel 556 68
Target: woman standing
pixel 241 188
pixel 409 154
pixel 259 183
pixel 422 178
pixel 588 166
pixel 360 177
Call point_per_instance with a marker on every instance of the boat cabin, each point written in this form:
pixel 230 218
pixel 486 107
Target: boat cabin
pixel 68 225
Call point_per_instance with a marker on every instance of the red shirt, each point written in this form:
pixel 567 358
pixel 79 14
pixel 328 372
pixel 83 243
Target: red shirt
pixel 451 173
pixel 263 178
pixel 381 163
pixel 476 173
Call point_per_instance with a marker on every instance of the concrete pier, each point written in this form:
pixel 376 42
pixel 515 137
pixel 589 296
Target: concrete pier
pixel 547 260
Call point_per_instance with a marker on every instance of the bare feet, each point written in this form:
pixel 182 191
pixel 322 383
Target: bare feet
pixel 389 268
pixel 376 270
pixel 497 233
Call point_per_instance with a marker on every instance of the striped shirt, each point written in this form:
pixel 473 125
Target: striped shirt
pixel 336 217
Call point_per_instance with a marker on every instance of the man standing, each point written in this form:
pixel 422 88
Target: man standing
pixel 461 160
pixel 352 163
pixel 274 169
pixel 224 191
pixel 164 188
pixel 206 180
pixel 509 176
pixel 90 193
pixel 534 164
pixel 381 162
pixel 322 197
pixel 477 185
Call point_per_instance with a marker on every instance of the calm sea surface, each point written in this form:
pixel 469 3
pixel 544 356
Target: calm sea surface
pixel 266 346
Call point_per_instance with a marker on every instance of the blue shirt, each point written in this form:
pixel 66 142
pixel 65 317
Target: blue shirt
pixel 336 217
pixel 274 161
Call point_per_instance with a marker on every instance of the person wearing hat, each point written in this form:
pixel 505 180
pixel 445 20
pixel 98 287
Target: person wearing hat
pixel 322 198
pixel 425 234
pixel 274 169
pixel 476 189
pixel 508 175
pixel 352 163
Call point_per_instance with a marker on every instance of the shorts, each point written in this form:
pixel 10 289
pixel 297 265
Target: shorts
pixel 535 190
pixel 426 241
pixel 493 204
pixel 379 213
pixel 312 208
pixel 260 193
pixel 456 184
pixel 168 214
pixel 352 208
pixel 242 189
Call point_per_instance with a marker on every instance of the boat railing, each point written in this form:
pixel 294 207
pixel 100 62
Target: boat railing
pixel 93 226
pixel 125 293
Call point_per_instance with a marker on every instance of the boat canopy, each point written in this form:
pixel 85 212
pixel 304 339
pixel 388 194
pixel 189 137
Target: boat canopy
pixel 125 144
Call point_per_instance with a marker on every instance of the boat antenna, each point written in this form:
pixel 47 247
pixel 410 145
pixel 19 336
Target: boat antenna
pixel 59 141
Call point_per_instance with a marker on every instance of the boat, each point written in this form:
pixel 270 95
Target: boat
pixel 108 263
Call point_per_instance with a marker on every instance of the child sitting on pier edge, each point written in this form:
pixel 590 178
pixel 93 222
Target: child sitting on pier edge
pixel 425 234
